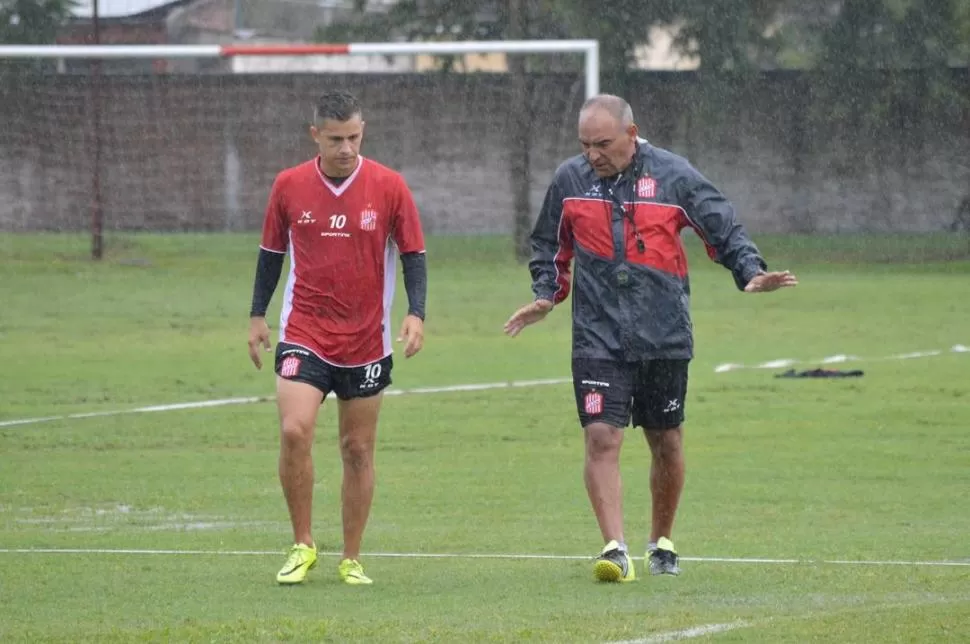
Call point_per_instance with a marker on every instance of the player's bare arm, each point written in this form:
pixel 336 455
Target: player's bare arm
pixel 269 266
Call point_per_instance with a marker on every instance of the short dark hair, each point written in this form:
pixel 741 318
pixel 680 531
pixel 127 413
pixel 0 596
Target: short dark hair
pixel 338 105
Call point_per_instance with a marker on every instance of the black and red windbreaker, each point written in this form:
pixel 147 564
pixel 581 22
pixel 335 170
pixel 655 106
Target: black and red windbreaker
pixel 616 243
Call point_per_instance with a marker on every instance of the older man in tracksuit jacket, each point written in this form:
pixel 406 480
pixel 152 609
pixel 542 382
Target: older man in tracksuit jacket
pixel 615 214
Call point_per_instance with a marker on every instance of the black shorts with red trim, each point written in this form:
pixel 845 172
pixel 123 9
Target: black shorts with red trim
pixel 652 392
pixel 296 363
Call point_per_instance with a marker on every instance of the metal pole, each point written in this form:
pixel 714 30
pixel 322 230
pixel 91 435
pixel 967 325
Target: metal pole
pixel 593 69
pixel 97 211
pixel 520 139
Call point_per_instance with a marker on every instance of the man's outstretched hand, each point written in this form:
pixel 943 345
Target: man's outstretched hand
pixel 528 314
pixel 766 282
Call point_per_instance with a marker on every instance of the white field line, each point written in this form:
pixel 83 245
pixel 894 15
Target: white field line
pixel 685 634
pixel 837 359
pixel 712 629
pixel 440 555
pixel 137 410
pixel 485 386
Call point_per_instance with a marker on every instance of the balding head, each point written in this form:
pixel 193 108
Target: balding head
pixel 615 106
pixel 607 133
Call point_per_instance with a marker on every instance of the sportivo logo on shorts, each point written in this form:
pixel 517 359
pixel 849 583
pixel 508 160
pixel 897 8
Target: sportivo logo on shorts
pixel 290 367
pixel 593 403
pixel 368 218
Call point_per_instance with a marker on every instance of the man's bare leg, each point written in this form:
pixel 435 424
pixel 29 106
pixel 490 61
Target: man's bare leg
pixel 666 479
pixel 298 405
pixel 602 477
pixel 358 435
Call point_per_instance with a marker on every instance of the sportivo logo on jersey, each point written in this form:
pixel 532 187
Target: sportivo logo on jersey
pixel 368 218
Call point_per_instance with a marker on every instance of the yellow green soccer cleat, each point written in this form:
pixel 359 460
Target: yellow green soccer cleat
pixel 614 564
pixel 351 572
pixel 301 559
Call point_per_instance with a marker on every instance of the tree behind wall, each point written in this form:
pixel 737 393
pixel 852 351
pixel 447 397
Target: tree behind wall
pixel 31 22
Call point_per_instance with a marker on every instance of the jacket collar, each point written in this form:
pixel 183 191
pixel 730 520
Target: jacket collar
pixel 636 166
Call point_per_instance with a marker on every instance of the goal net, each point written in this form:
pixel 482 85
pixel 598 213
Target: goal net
pixel 189 138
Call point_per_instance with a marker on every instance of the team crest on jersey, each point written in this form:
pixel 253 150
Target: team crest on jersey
pixel 368 218
pixel 290 367
pixel 646 188
pixel 593 403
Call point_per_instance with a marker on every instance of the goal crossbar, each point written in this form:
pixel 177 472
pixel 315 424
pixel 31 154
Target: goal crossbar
pixel 589 49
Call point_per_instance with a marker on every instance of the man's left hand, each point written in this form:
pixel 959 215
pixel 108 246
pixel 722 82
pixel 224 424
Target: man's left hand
pixel 766 282
pixel 412 332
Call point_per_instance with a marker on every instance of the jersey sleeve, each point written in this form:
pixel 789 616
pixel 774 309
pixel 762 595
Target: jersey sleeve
pixel 406 222
pixel 275 224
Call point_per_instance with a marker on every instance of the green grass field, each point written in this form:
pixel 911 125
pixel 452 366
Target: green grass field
pixel 818 473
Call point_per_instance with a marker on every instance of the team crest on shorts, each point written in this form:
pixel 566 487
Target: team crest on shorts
pixel 290 367
pixel 368 218
pixel 593 403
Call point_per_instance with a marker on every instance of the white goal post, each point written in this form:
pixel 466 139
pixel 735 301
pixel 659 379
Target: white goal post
pixel 589 49
pixel 116 116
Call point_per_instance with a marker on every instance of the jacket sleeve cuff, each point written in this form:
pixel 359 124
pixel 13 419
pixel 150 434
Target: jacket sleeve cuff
pixel 748 271
pixel 545 294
